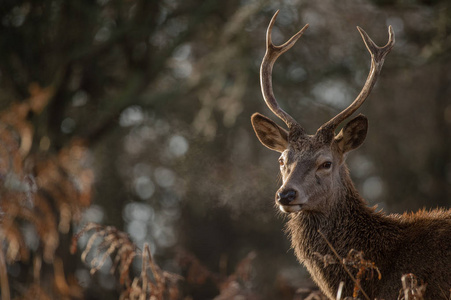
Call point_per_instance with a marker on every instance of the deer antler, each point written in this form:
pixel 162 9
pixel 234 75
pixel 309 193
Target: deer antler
pixel 271 55
pixel 377 60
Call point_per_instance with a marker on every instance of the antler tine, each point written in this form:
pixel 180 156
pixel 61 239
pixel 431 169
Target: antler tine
pixel 377 60
pixel 271 55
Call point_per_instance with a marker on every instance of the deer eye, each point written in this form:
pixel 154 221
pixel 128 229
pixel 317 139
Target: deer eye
pixel 281 162
pixel 326 165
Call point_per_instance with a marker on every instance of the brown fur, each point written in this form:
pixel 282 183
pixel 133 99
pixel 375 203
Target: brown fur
pixel 327 201
pixel 319 195
pixel 398 244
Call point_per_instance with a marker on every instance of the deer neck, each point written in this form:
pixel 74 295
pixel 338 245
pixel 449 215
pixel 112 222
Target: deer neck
pixel 348 224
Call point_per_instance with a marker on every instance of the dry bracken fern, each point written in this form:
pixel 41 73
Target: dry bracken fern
pixel 107 241
pixel 40 190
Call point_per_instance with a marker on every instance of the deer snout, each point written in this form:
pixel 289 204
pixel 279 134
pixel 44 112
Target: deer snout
pixel 286 196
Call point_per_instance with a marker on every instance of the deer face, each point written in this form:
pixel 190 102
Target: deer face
pixel 308 177
pixel 310 166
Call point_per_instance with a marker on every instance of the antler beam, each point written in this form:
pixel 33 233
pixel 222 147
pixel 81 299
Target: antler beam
pixel 377 60
pixel 271 55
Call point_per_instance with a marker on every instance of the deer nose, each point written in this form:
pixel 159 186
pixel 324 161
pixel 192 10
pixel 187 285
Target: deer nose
pixel 286 196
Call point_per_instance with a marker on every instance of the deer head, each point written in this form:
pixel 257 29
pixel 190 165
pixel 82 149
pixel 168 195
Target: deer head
pixel 312 166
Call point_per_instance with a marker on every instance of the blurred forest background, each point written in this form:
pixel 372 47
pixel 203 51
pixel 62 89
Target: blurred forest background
pixel 136 114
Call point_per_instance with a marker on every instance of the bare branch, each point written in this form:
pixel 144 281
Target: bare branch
pixel 344 266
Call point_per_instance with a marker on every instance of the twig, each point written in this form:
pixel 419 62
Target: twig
pixel 144 270
pixel 340 290
pixel 4 277
pixel 344 266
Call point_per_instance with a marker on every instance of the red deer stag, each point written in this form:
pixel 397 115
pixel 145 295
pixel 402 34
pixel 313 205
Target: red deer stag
pixel 325 207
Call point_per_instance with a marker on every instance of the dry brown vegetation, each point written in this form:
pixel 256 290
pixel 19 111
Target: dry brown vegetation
pixel 47 192
pixel 412 288
pixel 41 195
pixel 151 283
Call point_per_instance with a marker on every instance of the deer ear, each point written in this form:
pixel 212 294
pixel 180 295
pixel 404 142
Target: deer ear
pixel 353 134
pixel 269 133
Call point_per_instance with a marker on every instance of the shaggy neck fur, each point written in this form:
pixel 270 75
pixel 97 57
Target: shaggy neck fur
pixel 349 224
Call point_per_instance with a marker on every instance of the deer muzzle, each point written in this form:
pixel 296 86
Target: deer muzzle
pixel 289 200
